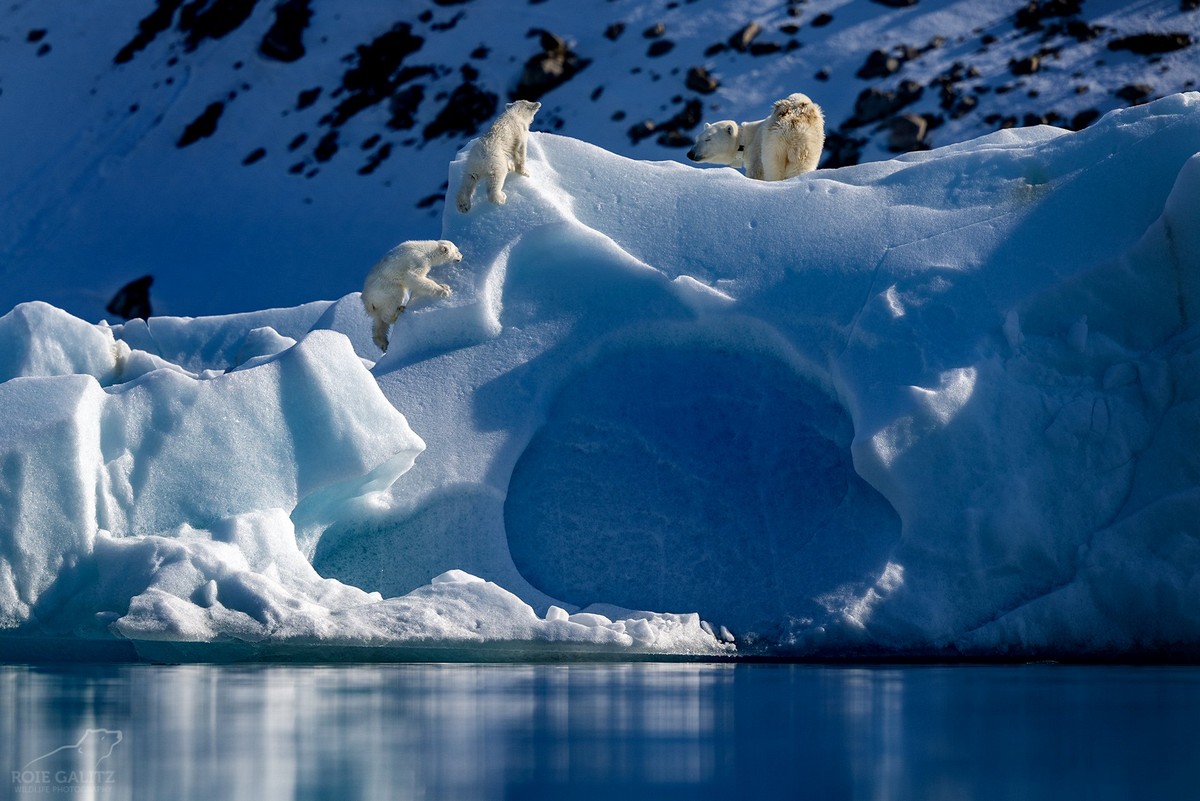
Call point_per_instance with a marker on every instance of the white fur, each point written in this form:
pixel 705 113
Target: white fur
pixel 783 145
pixel 499 151
pixel 400 276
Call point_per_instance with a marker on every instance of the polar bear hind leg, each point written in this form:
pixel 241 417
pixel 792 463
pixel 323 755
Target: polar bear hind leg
pixel 519 153
pixel 495 186
pixel 385 317
pixel 774 157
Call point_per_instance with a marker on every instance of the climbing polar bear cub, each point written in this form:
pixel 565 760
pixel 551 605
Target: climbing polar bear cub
pixel 497 153
pixel 783 145
pixel 401 275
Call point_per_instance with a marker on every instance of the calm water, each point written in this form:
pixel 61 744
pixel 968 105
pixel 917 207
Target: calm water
pixel 621 731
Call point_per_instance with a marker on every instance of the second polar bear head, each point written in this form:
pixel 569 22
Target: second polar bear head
pixel 717 143
pixel 446 251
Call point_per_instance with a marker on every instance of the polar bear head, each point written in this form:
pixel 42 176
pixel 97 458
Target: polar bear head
pixel 523 109
pixel 447 251
pixel 717 144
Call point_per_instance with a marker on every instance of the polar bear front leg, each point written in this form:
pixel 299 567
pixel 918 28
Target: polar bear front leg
pixel 495 187
pixel 774 159
pixel 466 191
pixel 379 333
pixel 519 153
pixel 427 286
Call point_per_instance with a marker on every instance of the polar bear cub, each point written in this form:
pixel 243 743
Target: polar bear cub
pixel 781 146
pixel 497 153
pixel 401 275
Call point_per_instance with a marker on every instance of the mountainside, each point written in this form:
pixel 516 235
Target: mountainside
pixel 249 154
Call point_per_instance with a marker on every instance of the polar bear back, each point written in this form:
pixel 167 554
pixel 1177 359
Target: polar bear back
pixel 787 143
pixel 507 133
pixel 406 261
pixel 801 126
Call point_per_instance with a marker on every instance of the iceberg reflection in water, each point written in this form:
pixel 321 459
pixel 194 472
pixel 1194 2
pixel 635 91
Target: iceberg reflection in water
pixel 598 731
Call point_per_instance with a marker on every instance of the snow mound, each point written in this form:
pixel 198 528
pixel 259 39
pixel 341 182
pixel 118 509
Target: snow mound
pixel 941 405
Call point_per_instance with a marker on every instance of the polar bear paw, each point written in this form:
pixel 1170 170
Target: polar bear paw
pixel 443 291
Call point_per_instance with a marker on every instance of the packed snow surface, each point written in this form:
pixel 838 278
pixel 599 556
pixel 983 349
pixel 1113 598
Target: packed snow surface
pixel 942 404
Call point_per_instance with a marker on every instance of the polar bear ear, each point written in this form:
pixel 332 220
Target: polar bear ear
pixel 730 129
pixel 444 248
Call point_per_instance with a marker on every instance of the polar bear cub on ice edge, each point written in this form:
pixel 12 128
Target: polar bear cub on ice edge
pixel 499 151
pixel 401 275
pixel 785 144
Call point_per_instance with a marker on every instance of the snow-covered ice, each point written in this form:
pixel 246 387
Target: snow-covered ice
pixel 943 404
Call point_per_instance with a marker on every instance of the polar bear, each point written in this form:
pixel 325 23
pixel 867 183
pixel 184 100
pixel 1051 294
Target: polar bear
pixel 401 275
pixel 499 151
pixel 781 146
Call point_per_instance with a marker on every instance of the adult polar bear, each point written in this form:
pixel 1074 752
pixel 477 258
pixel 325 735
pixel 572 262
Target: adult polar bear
pixel 499 151
pixel 401 275
pixel 781 146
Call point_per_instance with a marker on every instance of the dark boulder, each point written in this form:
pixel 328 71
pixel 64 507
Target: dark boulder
pixel 403 106
pixel 842 150
pixel 1083 119
pixel 1030 17
pixel 906 133
pixel 284 40
pixel 702 81
pixel 553 66
pixel 377 71
pixel 149 27
pixel 642 130
pixel 203 126
pixel 671 131
pixel 132 301
pixel 674 139
pixel 217 19
pixel 875 104
pixel 660 47
pixel 741 40
pixel 1025 66
pixel 1151 44
pixel 1135 93
pixel 879 64
pixel 764 48
pixel 466 110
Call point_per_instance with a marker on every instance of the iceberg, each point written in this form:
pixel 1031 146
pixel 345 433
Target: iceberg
pixel 938 406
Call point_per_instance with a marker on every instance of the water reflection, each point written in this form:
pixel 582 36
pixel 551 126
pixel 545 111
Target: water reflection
pixel 597 731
